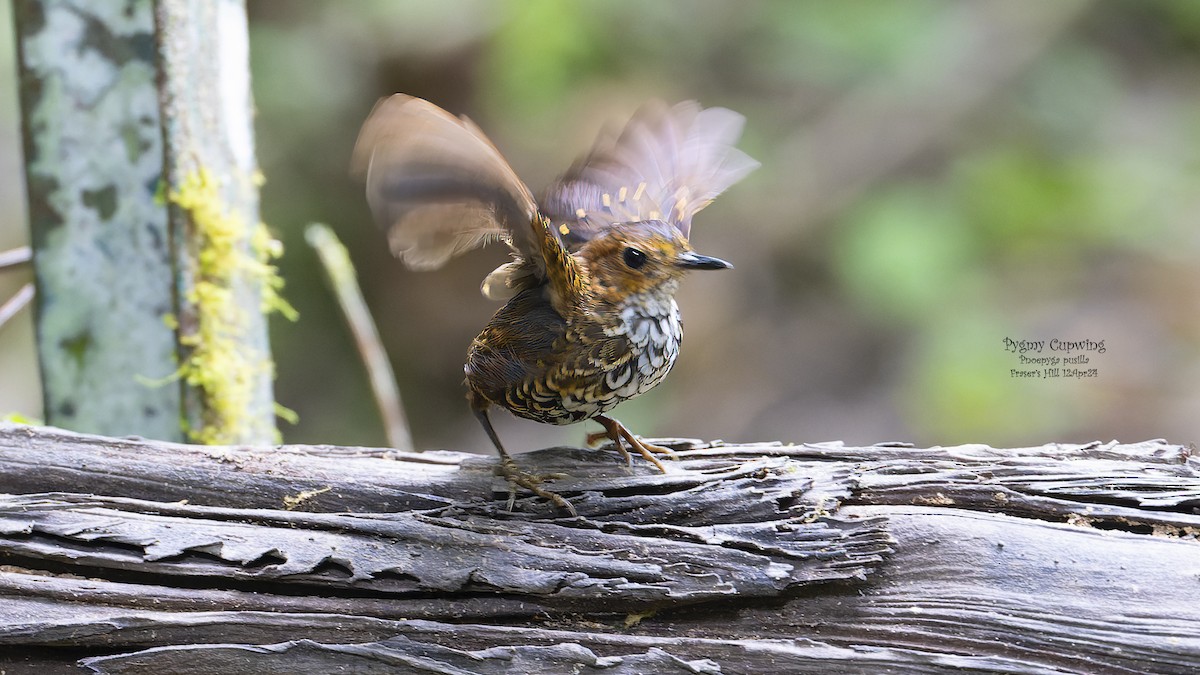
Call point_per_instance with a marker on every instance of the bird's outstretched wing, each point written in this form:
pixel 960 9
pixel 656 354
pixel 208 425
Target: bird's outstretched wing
pixel 438 185
pixel 667 164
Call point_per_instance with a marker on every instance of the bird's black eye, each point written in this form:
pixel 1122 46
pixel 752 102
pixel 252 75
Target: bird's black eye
pixel 634 258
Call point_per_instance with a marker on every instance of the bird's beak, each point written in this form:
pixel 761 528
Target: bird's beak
pixel 694 261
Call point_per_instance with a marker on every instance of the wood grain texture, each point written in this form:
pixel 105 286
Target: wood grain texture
pixel 129 556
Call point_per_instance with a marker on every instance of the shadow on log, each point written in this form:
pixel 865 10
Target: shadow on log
pixel 132 556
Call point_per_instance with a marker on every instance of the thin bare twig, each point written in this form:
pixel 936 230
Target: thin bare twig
pixel 16 303
pixel 342 277
pixel 16 256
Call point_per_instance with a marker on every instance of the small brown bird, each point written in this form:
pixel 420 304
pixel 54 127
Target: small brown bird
pixel 590 319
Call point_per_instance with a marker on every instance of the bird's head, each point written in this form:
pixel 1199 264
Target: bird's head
pixel 641 258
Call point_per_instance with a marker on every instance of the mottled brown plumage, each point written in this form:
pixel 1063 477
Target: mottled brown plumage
pixel 590 318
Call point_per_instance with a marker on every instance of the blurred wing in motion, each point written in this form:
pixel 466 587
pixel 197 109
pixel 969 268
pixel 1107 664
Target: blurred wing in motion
pixel 667 164
pixel 438 185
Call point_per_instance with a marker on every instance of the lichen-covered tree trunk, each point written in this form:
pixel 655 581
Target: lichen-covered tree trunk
pixel 150 261
pixel 93 153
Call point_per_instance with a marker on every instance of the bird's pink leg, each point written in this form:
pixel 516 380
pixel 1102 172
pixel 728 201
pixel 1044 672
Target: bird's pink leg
pixel 508 467
pixel 615 431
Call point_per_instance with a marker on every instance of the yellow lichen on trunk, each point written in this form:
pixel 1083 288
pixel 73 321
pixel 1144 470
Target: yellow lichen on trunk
pixel 229 254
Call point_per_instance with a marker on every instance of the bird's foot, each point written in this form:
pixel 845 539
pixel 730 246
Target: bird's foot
pixel 615 432
pixel 520 479
pixel 592 440
pixel 647 449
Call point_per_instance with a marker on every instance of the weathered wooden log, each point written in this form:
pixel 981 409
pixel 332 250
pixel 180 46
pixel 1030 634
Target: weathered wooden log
pixel 132 556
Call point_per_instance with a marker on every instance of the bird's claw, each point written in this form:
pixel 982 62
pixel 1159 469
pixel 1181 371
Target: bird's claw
pixel 647 449
pixel 520 479
pixel 592 439
pixel 660 449
pixel 616 432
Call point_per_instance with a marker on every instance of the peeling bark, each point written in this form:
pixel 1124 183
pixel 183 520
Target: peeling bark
pixel 811 558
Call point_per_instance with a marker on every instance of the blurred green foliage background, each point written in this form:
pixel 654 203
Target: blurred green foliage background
pixel 936 176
